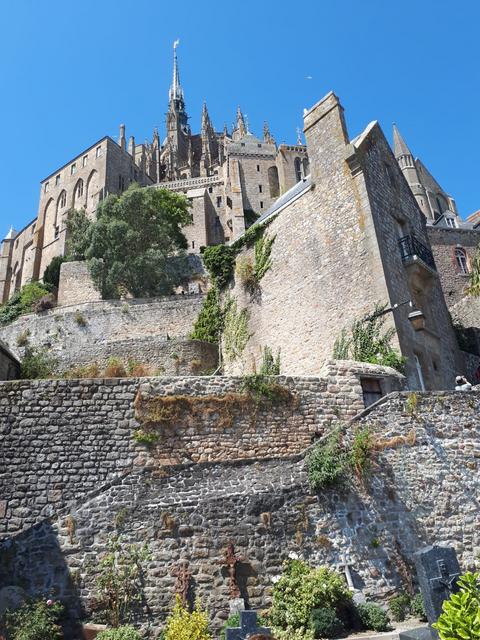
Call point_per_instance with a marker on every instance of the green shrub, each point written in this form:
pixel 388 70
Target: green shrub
pixel 36 363
pixel 293 634
pixel 148 438
pixel 35 620
pixel 327 463
pixel 51 275
pixel 325 623
pixel 120 633
pixel 362 449
pixel 302 589
pixel 209 323
pixel 373 617
pixel 219 261
pixel 235 329
pixel 234 621
pixel 183 625
pixel 22 338
pixel 460 617
pixel 270 365
pixel 22 302
pixel 399 606
pixel 417 607
pixel 80 319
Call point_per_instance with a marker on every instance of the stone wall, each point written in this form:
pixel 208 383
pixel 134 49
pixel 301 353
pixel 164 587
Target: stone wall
pixel 76 286
pixel 422 490
pixel 91 328
pixel 444 241
pixel 76 435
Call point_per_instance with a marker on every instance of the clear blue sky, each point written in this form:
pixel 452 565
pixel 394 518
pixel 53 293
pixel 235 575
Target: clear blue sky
pixel 71 72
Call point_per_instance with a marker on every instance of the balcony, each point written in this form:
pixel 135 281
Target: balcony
pixel 413 251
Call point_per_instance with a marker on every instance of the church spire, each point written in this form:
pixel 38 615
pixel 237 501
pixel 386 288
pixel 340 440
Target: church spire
pixel 176 91
pixel 242 129
pixel 400 147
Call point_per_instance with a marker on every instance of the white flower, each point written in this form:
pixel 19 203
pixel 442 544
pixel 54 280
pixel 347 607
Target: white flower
pixel 275 579
pixel 293 556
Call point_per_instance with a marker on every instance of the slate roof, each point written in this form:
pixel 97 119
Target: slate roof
pixel 289 196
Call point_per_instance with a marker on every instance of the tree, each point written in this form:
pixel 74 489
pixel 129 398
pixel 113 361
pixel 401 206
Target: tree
pixel 136 245
pixel 51 275
pixel 78 234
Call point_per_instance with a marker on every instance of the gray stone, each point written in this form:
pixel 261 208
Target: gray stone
pixel 248 627
pixel 437 571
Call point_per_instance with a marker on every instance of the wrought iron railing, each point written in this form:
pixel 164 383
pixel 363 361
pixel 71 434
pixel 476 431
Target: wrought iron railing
pixel 411 247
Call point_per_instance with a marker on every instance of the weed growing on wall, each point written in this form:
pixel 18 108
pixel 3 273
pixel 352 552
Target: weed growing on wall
pixel 327 463
pixel 209 323
pixel 37 363
pixel 80 319
pixel 474 284
pixel 219 261
pixel 119 581
pixel 235 330
pixel 368 341
pixel 411 403
pixel 148 438
pixel 362 450
pixel 250 273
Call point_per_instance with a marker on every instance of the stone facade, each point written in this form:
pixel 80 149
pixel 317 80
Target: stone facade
pixel 91 331
pixel 339 248
pixel 454 251
pixel 96 481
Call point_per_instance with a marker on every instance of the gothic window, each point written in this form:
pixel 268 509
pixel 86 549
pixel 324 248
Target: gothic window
pixel 77 193
pixel 306 167
pixel 57 180
pixel 63 199
pixel 98 152
pixel 273 182
pixel 84 161
pixel 80 189
pixel 298 169
pixel 461 260
pixel 73 169
pixel 47 187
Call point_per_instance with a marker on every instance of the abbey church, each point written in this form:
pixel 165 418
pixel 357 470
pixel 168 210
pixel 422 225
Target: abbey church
pixel 229 176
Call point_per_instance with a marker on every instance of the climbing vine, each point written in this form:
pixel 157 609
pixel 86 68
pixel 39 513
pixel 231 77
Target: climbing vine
pixel 235 329
pixel 474 285
pixel 209 323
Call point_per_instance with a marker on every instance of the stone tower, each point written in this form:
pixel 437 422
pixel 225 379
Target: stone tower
pixel 406 162
pixel 178 129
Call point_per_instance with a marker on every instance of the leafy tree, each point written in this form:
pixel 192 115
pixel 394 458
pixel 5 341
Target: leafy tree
pixel 78 234
pixel 136 245
pixel 51 275
pixel 220 261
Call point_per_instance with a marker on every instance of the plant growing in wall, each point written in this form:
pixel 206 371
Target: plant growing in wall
pixel 209 323
pixel 22 301
pixel 119 583
pixel 51 275
pixel 235 329
pixel 250 273
pixel 37 363
pixel 474 284
pixel 368 341
pixel 219 261
pixel 327 463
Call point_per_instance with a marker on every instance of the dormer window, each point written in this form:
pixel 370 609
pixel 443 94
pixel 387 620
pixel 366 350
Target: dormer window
pixel 451 222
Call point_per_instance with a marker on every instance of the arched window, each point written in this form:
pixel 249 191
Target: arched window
pixel 79 188
pixel 93 191
pixel 461 260
pixel 298 169
pixel 78 193
pixel 62 201
pixel 273 182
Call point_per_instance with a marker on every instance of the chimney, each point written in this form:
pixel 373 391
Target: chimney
pixel 121 137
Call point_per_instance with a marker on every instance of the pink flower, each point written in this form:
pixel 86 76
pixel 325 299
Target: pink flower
pixel 49 603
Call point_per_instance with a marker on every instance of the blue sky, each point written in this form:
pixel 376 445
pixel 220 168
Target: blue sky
pixel 70 73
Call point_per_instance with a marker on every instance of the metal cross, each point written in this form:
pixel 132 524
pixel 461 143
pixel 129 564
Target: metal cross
pixel 444 580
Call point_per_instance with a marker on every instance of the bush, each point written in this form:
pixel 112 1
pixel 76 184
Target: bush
pixel 293 634
pixel 51 275
pixel 363 447
pixel 36 363
pixel 115 369
pixel 44 303
pixel 120 633
pixel 183 625
pixel 35 620
pixel 327 463
pixel 302 589
pixel 91 370
pixel 417 607
pixel 373 617
pixel 80 319
pixel 209 324
pixel 325 623
pixel 400 606
pixel 460 617
pixel 22 302
pixel 219 261
pixel 148 438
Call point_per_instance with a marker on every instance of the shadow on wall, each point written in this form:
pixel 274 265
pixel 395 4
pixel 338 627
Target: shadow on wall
pixel 34 561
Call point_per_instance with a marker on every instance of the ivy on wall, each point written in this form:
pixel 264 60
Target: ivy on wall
pixel 235 329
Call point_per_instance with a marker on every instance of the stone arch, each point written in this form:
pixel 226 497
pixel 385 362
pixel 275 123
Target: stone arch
pixel 93 192
pixel 78 198
pixel 273 182
pixel 61 204
pixel 49 221
pixel 297 163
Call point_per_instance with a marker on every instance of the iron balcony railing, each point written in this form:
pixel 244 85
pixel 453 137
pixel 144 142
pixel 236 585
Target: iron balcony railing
pixel 411 247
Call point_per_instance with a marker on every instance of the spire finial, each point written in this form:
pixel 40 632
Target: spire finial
pixel 241 123
pixel 299 136
pixel 176 92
